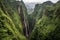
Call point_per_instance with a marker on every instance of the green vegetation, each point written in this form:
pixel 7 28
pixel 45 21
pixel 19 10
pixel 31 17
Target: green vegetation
pixel 11 27
pixel 17 24
pixel 47 26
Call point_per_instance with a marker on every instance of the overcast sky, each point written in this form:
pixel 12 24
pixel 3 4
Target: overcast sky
pixel 41 1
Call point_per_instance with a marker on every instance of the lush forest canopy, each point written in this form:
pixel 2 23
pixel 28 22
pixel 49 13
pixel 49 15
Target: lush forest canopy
pixel 17 24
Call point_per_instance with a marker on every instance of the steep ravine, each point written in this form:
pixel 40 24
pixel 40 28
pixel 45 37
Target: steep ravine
pixel 42 24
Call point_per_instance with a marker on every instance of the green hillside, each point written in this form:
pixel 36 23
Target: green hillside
pixel 47 24
pixel 17 24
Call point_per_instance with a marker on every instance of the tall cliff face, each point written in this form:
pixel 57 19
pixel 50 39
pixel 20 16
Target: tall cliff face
pixel 46 22
pixel 25 19
pixel 22 10
pixel 39 8
pixel 42 24
pixel 13 19
pixel 38 12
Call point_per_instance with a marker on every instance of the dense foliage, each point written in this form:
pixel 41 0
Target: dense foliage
pixel 11 27
pixel 17 24
pixel 47 27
